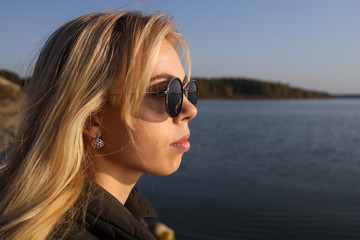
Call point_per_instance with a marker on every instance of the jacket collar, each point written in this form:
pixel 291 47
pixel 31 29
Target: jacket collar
pixel 139 205
pixel 107 214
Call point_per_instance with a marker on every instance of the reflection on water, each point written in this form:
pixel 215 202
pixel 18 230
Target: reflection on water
pixel 266 170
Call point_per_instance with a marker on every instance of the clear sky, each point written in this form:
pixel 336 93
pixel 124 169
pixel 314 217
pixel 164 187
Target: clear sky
pixel 313 44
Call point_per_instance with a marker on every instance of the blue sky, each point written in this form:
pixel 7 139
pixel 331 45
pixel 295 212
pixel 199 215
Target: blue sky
pixel 313 44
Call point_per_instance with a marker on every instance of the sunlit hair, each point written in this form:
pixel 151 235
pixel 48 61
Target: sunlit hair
pixel 42 174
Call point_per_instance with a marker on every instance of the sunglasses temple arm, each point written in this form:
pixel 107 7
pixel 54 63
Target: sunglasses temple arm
pixel 159 93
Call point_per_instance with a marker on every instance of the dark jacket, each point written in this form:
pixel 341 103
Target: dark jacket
pixel 107 218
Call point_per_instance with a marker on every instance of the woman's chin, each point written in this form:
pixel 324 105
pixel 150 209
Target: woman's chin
pixel 165 171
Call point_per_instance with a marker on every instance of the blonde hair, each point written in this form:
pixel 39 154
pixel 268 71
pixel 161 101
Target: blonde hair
pixel 42 173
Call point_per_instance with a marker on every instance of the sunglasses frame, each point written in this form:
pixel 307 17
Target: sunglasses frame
pixel 184 91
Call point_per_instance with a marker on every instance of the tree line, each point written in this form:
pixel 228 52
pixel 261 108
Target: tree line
pixel 230 88
pixel 243 88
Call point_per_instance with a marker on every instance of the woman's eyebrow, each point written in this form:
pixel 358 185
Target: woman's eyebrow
pixel 165 76
pixel 162 76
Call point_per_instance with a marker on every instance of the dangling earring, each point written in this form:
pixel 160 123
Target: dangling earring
pixel 97 142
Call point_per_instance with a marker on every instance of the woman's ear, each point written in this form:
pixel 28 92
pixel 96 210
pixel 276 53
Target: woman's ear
pixel 91 126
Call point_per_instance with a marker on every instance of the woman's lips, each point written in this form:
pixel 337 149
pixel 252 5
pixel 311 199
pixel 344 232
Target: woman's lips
pixel 182 144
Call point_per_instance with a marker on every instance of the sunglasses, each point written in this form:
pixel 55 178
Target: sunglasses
pixel 175 95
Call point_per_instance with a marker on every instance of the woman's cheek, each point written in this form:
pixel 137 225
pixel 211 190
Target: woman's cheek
pixel 153 109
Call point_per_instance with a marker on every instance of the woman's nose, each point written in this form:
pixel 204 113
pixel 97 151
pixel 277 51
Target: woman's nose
pixel 188 111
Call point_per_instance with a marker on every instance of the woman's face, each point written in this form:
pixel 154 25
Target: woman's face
pixel 160 141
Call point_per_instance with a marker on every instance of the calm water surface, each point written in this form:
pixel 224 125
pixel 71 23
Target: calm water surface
pixel 266 170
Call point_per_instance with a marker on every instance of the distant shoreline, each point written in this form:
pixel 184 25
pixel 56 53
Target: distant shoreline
pixel 282 99
pixel 346 96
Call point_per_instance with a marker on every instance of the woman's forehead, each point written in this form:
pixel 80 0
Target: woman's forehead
pixel 167 64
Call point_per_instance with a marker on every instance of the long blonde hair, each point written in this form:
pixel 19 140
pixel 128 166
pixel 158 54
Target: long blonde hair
pixel 42 173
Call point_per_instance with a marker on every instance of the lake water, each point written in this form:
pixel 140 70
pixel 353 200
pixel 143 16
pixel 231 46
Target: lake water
pixel 266 170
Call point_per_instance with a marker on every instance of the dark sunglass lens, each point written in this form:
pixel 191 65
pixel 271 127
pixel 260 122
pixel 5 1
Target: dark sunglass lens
pixel 193 92
pixel 175 96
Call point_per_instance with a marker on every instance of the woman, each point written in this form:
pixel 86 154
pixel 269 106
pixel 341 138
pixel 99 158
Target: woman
pixel 105 104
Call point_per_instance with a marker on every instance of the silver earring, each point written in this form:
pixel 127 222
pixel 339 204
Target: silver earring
pixel 97 142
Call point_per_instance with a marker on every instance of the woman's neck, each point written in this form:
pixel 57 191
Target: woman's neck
pixel 115 179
